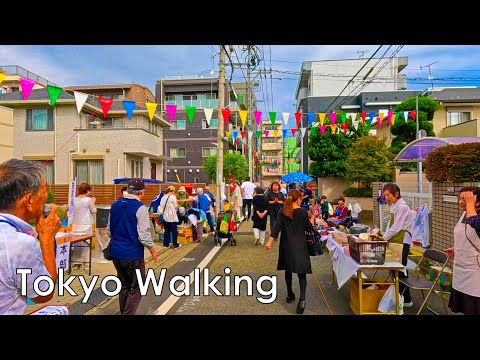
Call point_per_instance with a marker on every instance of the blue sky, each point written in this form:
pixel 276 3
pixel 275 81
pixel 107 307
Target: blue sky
pixel 102 64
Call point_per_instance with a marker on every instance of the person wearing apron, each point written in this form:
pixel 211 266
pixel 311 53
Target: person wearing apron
pixel 399 231
pixel 465 296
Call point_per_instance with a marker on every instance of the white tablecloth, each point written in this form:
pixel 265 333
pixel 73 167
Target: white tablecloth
pixel 344 266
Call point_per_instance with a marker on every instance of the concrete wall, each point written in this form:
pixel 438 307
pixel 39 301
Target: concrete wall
pixel 6 134
pixel 332 187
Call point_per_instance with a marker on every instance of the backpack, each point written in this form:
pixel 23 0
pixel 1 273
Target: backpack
pixel 155 203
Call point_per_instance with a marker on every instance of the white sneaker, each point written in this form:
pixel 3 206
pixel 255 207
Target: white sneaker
pixel 256 241
pixel 179 246
pixel 408 305
pixel 261 243
pixel 204 235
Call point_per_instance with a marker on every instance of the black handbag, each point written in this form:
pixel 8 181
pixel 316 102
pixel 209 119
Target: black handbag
pixel 314 243
pixel 106 252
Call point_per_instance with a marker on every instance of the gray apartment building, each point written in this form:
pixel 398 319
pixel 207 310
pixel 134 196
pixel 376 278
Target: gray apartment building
pixel 189 144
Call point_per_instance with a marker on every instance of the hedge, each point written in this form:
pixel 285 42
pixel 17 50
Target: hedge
pixel 455 163
pixel 358 192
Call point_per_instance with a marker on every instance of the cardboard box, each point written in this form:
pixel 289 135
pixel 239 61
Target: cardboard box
pixel 185 234
pixel 370 298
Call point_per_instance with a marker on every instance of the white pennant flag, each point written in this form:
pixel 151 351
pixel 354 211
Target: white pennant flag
pixel 80 99
pixel 208 115
pixel 405 115
pixel 285 117
pixel 303 131
pixel 250 133
pixel 355 124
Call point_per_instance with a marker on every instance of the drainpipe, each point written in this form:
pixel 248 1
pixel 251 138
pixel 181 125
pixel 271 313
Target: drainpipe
pixel 55 147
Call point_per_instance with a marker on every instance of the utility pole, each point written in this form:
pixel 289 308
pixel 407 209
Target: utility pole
pixel 419 164
pixel 250 123
pixel 220 130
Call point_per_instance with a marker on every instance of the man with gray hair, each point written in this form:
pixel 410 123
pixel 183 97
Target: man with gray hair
pixel 23 190
pixel 129 229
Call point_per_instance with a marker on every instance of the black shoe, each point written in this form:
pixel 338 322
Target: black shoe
pixel 301 307
pixel 290 298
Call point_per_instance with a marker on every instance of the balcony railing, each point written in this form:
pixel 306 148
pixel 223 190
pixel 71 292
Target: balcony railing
pixel 24 73
pixel 199 104
pixel 101 126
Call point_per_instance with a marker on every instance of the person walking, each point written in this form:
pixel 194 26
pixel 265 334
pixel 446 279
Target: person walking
pixel 168 209
pixel 129 230
pixel 275 200
pixel 247 190
pixel 465 296
pixel 237 200
pixel 293 256
pixel 399 230
pixel 259 217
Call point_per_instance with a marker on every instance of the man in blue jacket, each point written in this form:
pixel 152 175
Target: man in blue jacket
pixel 129 230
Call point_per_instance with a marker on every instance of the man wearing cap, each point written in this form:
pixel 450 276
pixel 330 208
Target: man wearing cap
pixel 183 195
pixel 168 209
pixel 129 229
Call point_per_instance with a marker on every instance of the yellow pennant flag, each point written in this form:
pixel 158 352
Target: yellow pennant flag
pixel 322 118
pixel 275 133
pixel 228 134
pixel 393 118
pixel 151 107
pixel 2 76
pixel 334 127
pixel 380 115
pixel 243 116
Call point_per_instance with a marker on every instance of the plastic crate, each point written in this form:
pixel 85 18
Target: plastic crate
pixel 367 252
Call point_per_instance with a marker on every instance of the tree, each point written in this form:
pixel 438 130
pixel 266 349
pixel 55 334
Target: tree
pixel 405 132
pixel 233 165
pixel 328 152
pixel 368 160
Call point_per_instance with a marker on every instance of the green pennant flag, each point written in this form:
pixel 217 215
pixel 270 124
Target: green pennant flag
pixel 398 115
pixel 344 117
pixel 230 139
pixel 53 93
pixel 313 130
pixel 259 133
pixel 190 113
pixel 273 115
pixel 240 99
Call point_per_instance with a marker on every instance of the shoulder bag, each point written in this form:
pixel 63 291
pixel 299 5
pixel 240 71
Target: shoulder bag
pixel 314 243
pixel 161 218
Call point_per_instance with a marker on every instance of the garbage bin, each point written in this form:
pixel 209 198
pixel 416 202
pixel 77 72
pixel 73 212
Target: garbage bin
pixel 102 216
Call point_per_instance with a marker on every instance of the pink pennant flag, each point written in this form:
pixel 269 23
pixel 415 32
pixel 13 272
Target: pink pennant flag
pixel 380 121
pixel 265 133
pixel 258 117
pixel 27 86
pixel 333 117
pixel 322 129
pixel 389 116
pixel 171 110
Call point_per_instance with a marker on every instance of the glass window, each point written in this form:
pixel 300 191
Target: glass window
pixel 132 173
pixel 179 124
pixel 48 170
pixel 196 180
pixel 89 171
pixel 455 118
pixel 208 151
pixel 39 119
pixel 213 124
pixel 177 152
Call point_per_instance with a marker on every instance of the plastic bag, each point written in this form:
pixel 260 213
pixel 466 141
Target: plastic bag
pixel 388 303
pixel 356 208
pixel 224 225
pixel 330 209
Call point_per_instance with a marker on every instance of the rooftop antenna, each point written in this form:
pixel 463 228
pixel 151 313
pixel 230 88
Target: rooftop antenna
pixel 430 76
pixel 361 53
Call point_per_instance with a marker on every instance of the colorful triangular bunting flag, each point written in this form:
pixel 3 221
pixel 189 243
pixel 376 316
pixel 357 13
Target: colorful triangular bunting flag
pixel 80 99
pixel 226 116
pixel 106 104
pixel 243 116
pixel 208 115
pixel 171 110
pixel 285 117
pixel 26 87
pixel 53 93
pixel 129 106
pixel 258 117
pixel 151 107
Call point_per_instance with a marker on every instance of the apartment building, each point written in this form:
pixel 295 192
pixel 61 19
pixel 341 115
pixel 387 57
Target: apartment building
pixel 189 144
pixel 6 134
pixel 87 146
pixel 272 148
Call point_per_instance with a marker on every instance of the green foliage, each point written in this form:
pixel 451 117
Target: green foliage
pixel 329 152
pixel 233 165
pixel 405 132
pixel 456 163
pixel 369 160
pixel 358 192
pixel 50 197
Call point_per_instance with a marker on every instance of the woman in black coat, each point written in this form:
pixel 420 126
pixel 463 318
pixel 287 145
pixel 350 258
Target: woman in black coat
pixel 259 217
pixel 293 222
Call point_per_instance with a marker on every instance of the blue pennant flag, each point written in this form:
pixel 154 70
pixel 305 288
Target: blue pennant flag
pixel 284 132
pixel 235 134
pixel 311 117
pixel 129 106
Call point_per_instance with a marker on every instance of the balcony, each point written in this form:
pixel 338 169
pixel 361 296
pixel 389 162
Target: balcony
pixel 272 147
pixel 199 104
pixel 277 173
pixel 465 129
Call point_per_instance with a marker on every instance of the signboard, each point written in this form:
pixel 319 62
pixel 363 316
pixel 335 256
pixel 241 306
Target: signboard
pixel 62 256
pixel 71 198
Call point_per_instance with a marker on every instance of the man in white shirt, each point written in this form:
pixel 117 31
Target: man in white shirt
pixel 247 189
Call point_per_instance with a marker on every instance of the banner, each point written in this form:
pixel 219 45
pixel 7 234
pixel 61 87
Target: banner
pixel 355 124
pixel 322 129
pixel 413 114
pixel 53 93
pixel 363 116
pixel 249 134
pixel 293 132
pixel 313 130
pixel 106 104
pixel 26 87
pixel 80 99
pixel 284 133
pixel 228 134
pixel 298 119
pixel 322 118
pixel 275 133
pixel 266 133
pixel 343 117
pixel 345 127
pixel 71 199
pixel 405 116
pixel 334 128
pixel 392 119
pixel 258 117
pixel 333 118
pixel 259 133
pixel 273 115
pixel 151 107
pixel 372 117
pixel 243 135
pixel 129 106
pixel 226 116
pixel 243 116
pixel 285 117
pixel 303 130
pixel 235 134
pixel 208 115
pixel 2 76
pixel 310 117
pixel 171 110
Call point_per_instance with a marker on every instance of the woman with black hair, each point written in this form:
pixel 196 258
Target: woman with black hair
pixel 293 256
pixel 275 199
pixel 259 217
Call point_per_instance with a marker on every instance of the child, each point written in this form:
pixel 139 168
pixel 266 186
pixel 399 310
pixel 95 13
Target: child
pixel 259 217
pixel 226 205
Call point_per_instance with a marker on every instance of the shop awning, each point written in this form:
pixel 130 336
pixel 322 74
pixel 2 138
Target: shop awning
pixel 418 150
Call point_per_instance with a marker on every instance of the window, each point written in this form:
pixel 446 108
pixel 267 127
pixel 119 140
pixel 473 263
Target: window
pixel 270 127
pixel 213 124
pixel 454 118
pixel 270 140
pixel 136 168
pixel 153 127
pixel 179 124
pixel 208 151
pixel 177 152
pixel 89 171
pixel 196 180
pixel 39 119
pixel 48 168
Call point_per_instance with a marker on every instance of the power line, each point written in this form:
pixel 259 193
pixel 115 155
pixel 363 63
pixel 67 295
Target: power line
pixel 371 57
pixel 271 80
